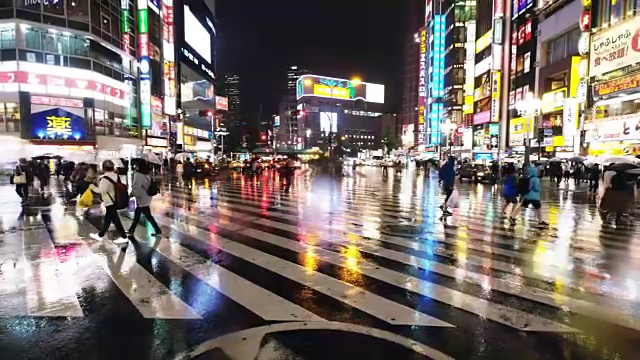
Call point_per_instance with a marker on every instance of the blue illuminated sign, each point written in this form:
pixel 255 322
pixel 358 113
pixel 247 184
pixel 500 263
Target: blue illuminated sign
pixel 57 124
pixel 437 53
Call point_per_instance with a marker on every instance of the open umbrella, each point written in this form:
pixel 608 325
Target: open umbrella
pixel 509 160
pixel 617 160
pixel 622 167
pixel 151 157
pixel 576 159
pixel 181 156
pixel 556 159
pixel 635 171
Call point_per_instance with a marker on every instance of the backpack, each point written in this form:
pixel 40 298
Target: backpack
pixel 524 185
pixel 153 189
pixel 122 198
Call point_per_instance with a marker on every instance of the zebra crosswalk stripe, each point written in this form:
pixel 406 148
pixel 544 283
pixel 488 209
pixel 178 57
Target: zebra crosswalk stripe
pixel 361 299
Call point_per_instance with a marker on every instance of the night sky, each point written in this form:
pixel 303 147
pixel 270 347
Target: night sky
pixel 342 38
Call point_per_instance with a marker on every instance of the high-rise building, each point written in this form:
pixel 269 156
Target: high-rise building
pixel 293 74
pixel 69 78
pixel 408 116
pixel 232 92
pixel 195 65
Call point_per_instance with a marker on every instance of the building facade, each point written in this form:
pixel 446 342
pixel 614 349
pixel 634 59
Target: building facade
pixel 339 114
pixel 612 121
pixel 69 76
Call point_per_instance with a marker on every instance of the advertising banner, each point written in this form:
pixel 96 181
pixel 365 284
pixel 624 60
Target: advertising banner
pixel 168 53
pixel 57 124
pixel 482 118
pixel 145 66
pixel 327 87
pixel 614 128
pixel 495 96
pixel 422 76
pixel 570 118
pixel 222 103
pixel 612 87
pixel 615 47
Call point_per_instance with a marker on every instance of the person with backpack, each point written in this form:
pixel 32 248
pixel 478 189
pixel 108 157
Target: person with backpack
pixel 143 190
pixel 114 197
pixel 509 190
pixel 529 189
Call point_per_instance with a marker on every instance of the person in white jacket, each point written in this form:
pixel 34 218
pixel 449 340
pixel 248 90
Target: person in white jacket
pixel 107 191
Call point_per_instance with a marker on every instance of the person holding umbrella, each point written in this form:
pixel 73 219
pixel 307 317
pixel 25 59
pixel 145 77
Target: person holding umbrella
pixel 618 195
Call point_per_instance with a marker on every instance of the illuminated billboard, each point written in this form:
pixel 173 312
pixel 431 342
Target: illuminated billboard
pixel 327 87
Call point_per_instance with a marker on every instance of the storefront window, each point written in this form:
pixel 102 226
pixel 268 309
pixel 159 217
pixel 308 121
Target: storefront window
pixel 623 108
pixel 9 117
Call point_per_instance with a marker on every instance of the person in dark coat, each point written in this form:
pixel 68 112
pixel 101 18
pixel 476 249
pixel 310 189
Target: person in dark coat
pixel 447 178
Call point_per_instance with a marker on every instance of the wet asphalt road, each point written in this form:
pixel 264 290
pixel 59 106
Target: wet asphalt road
pixel 358 267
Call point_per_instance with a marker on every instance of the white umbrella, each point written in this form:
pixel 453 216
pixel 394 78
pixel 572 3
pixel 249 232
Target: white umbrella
pixel 556 159
pixel 181 156
pixel 81 156
pixel 510 160
pixel 616 160
pixel 151 157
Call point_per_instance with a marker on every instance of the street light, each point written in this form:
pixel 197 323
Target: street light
pixel 447 128
pixel 528 108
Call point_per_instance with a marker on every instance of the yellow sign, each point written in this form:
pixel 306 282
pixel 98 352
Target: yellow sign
pixel 495 96
pixel 553 100
pixel 467 108
pixel 484 41
pixel 558 141
pixel 586 3
pixel 421 114
pixel 517 126
pixel 58 125
pixel 574 76
pixel 324 90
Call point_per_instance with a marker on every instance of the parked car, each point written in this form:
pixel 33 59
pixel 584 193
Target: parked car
pixel 476 173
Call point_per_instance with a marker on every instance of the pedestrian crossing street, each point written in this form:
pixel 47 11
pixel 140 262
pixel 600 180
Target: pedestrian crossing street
pixel 370 254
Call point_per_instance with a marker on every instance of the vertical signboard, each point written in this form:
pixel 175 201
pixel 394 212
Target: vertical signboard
pixel 469 66
pixel 144 65
pixel 495 96
pixel 169 61
pixel 422 82
pixel 124 25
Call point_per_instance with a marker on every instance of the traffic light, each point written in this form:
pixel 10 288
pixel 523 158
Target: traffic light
pixel 205 113
pixel 263 137
pixel 297 113
pixel 540 135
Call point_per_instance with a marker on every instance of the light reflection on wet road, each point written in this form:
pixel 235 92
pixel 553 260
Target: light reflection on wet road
pixel 366 250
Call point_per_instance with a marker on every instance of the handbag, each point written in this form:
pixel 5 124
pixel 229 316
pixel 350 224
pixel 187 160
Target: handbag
pixel 20 179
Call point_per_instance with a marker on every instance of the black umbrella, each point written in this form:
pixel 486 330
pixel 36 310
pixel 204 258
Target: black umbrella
pixel 621 167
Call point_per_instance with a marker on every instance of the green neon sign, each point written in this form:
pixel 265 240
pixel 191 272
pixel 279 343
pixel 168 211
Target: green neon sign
pixel 143 21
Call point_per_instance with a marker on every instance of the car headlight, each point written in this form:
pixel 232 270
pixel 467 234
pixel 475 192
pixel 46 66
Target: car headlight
pixel 481 174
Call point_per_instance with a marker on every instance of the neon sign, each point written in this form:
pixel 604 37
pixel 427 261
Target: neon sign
pixel 58 125
pixel 144 68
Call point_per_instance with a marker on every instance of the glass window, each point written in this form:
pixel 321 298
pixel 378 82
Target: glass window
pixel 33 39
pixel 8 39
pixel 78 46
pixel 605 12
pixel 55 7
pixel 616 11
pixel 49 42
pixel 78 10
pixel 573 37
